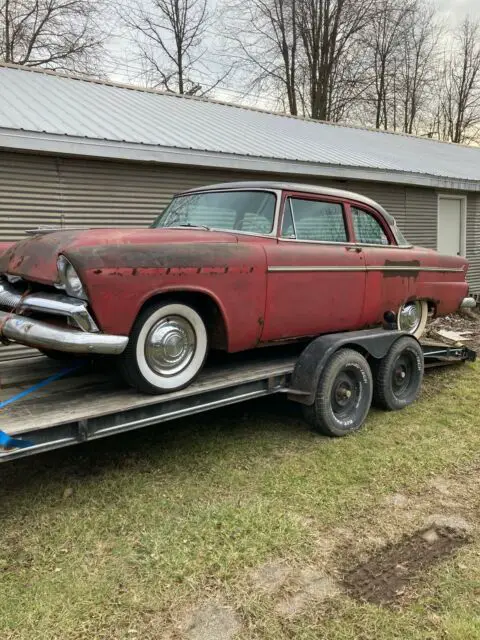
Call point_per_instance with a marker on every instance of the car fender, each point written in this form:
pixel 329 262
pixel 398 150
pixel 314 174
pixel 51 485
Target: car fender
pixel 125 278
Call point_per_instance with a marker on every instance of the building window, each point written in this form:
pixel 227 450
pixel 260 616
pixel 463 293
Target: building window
pixel 314 220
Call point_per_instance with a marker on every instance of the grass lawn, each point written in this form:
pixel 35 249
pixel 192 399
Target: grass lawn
pixel 241 523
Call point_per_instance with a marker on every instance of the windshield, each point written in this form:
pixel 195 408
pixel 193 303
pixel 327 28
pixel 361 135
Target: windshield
pixel 247 211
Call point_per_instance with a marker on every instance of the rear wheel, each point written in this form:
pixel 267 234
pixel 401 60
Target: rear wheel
pixel 398 376
pixel 412 317
pixel 167 348
pixel 343 396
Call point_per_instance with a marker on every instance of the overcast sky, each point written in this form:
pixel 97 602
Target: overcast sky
pixel 460 7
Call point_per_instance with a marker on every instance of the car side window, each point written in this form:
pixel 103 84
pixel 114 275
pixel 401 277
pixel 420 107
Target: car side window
pixel 367 228
pixel 314 220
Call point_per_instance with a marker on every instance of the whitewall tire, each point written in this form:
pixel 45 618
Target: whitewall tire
pixel 167 348
pixel 412 317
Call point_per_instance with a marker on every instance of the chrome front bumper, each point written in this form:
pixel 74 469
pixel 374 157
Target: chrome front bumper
pixel 468 303
pixel 82 336
pixel 51 303
pixel 41 335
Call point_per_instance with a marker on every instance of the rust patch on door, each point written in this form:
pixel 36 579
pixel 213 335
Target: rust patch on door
pixel 402 268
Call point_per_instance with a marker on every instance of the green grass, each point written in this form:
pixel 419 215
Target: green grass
pixel 120 538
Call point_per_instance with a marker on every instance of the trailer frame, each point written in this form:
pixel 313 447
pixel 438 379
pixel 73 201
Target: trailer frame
pixel 88 406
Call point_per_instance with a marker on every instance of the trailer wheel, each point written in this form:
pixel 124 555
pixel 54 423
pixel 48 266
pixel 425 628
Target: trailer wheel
pixel 398 376
pixel 166 350
pixel 343 396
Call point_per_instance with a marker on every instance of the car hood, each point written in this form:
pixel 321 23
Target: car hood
pixel 35 258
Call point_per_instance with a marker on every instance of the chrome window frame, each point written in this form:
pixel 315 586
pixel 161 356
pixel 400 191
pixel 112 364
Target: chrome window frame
pixel 347 244
pixel 273 233
pixel 290 197
pixel 350 244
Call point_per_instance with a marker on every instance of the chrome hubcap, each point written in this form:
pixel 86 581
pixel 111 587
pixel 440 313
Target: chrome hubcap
pixel 410 317
pixel 170 345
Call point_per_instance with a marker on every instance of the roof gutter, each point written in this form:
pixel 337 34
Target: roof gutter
pixel 37 142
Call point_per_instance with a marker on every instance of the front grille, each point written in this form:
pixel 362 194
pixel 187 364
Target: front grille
pixel 42 301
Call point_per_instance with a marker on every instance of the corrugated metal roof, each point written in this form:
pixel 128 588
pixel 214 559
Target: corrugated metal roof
pixel 47 112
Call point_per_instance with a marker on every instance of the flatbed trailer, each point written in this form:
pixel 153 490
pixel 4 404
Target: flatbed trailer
pixel 88 404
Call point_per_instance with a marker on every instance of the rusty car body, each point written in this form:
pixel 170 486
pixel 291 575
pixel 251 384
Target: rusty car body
pixel 231 266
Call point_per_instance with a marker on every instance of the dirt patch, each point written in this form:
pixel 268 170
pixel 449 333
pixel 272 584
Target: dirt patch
pixel 385 577
pixel 467 324
pixel 309 585
pixel 397 500
pixel 270 577
pixel 211 621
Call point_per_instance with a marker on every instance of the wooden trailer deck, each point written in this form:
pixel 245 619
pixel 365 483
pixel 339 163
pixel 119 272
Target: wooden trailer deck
pixel 91 403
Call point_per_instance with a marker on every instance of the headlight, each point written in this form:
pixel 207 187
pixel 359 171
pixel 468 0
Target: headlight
pixel 69 279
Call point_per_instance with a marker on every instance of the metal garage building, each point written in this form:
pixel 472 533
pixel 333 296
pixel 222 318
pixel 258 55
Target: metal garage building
pixel 74 151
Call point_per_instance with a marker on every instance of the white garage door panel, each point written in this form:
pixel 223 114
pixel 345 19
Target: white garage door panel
pixel 450 226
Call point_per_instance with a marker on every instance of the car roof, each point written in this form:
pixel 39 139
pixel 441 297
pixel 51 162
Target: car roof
pixel 293 186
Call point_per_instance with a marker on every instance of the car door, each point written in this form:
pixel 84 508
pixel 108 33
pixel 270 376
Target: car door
pixel 316 277
pixel 390 272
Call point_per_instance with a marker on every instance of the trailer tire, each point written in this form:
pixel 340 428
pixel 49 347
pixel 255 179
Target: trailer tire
pixel 167 348
pixel 398 376
pixel 343 395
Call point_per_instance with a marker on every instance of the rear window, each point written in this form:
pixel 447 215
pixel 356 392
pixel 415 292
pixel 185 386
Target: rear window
pixel 314 220
pixel 367 228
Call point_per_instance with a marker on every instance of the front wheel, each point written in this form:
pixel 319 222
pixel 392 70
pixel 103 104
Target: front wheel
pixel 166 350
pixel 344 395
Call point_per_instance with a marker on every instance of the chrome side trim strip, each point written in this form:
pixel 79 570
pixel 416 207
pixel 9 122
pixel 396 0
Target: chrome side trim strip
pixel 326 268
pixel 289 268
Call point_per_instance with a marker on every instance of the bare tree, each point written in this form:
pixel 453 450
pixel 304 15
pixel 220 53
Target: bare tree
pixel 385 38
pixel 170 35
pixel 459 106
pixel 264 42
pixel 350 80
pixel 327 29
pixel 418 66
pixel 302 51
pixel 59 34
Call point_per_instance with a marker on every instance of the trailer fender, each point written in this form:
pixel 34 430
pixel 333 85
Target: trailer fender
pixel 311 363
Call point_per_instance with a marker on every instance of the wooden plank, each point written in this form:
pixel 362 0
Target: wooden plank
pixel 28 371
pixel 96 394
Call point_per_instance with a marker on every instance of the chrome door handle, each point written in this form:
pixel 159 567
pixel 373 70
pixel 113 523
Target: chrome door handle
pixel 354 249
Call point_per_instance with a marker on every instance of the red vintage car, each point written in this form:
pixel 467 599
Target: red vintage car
pixel 232 267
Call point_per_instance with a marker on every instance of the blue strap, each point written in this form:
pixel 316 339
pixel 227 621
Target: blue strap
pixel 6 441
